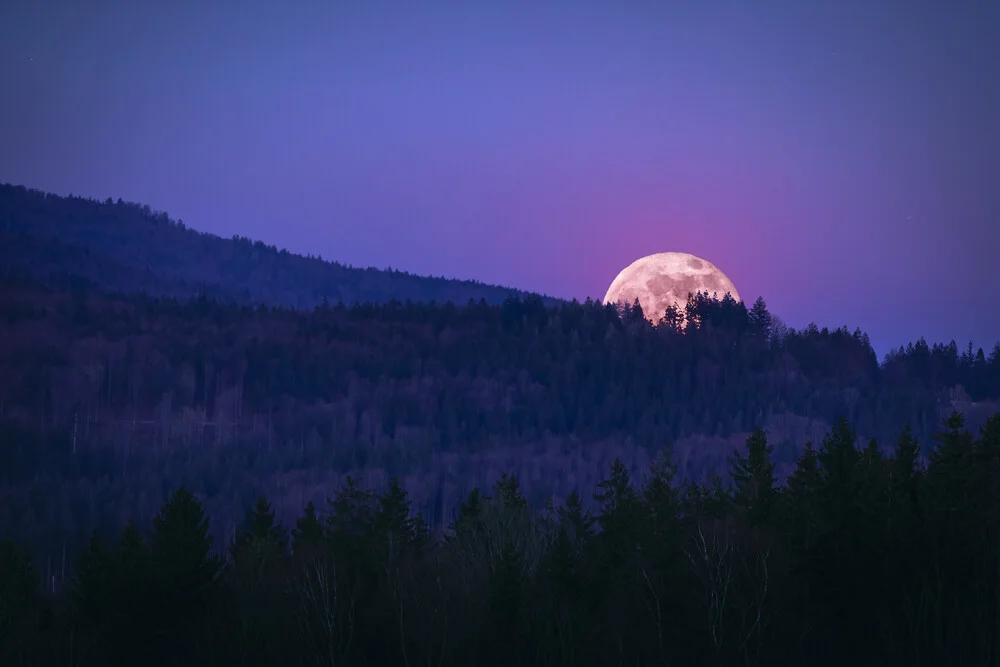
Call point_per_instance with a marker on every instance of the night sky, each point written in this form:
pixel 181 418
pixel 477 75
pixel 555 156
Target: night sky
pixel 840 158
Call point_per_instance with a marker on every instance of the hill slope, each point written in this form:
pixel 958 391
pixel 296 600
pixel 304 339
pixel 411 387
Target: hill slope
pixel 106 402
pixel 122 246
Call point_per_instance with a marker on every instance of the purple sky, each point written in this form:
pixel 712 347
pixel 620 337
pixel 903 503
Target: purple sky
pixel 840 158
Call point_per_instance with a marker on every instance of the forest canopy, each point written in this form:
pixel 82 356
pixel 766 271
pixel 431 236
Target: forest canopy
pixel 213 451
pixel 859 558
pixel 109 401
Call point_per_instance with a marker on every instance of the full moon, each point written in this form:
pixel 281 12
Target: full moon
pixel 666 278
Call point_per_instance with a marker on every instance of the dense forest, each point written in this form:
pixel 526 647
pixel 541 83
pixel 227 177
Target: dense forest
pixel 108 402
pixel 861 558
pixel 118 245
pixel 472 476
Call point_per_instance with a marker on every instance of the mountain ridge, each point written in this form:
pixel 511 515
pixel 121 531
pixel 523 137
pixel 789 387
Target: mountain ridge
pixel 83 237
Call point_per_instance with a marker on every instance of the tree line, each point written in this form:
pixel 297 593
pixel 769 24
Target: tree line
pixel 106 401
pixel 120 245
pixel 460 377
pixel 860 557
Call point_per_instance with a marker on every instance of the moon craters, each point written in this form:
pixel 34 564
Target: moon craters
pixel 660 280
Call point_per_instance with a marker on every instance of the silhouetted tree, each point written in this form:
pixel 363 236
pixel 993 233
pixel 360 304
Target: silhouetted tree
pixel 308 533
pixel 753 478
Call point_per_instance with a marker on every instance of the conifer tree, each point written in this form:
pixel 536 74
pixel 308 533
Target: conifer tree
pixel 838 457
pixel 759 318
pixel 801 497
pixel 754 491
pixel 672 320
pixel 470 513
pixel 620 519
pixel 951 466
pixel 94 584
pixel 132 568
pixel 616 496
pixel 352 511
pixel 905 457
pixel 577 520
pixel 308 532
pixel 135 595
pixel 260 537
pixel 904 475
pixel 709 499
pixel 659 495
pixel 508 493
pixel 571 536
pixel 392 523
pixel 180 551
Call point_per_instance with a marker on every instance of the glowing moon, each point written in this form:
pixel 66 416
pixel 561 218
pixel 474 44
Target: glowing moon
pixel 667 278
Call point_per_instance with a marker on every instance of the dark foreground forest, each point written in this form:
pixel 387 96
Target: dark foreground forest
pixel 859 558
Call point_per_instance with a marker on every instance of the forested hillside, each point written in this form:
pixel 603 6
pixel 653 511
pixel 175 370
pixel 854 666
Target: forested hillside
pixel 123 246
pixel 486 480
pixel 108 402
pixel 862 558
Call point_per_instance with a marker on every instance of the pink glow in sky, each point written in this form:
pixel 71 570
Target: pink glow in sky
pixel 842 159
